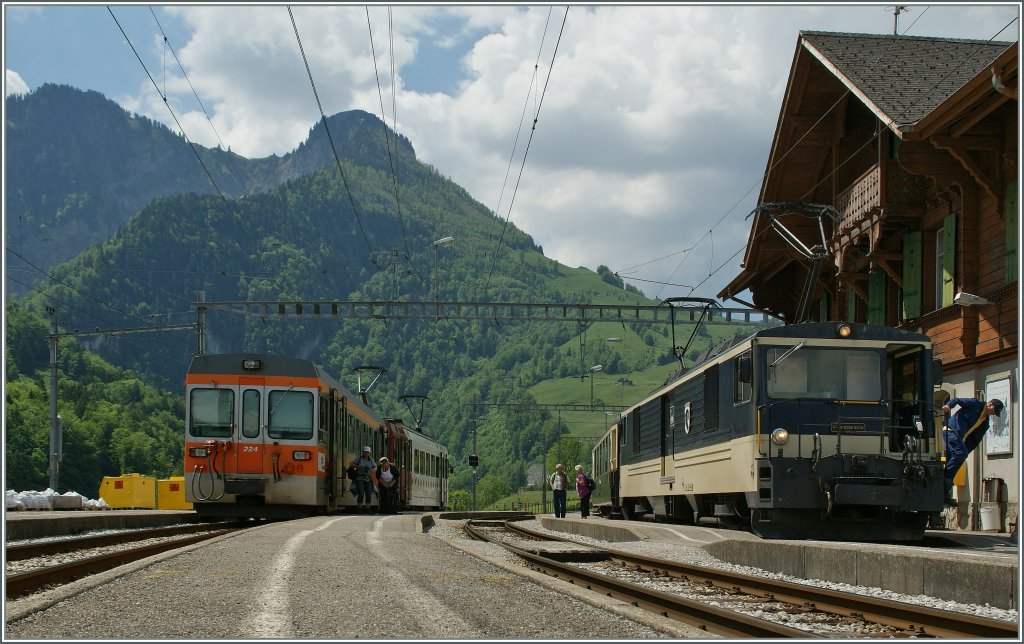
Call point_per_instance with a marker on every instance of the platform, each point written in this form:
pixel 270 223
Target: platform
pixel 38 524
pixel 966 567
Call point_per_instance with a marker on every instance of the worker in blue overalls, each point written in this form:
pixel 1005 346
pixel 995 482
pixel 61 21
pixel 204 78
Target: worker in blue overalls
pixel 966 429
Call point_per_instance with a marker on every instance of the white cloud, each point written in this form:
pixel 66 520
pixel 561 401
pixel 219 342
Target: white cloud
pixel 653 132
pixel 13 83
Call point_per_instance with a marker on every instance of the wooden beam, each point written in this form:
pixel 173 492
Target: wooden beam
pixel 850 280
pixel 956 148
pixel 980 113
pixel 884 263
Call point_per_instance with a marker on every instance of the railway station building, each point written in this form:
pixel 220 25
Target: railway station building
pixel 913 144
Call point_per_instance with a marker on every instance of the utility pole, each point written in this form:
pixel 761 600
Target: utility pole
pixel 440 243
pixel 473 458
pixel 56 434
pixel 200 323
pixel 55 437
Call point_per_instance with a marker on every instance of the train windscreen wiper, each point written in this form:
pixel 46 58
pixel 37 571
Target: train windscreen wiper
pixel 787 354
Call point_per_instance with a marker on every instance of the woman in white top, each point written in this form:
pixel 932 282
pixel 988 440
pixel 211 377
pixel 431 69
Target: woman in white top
pixel 385 477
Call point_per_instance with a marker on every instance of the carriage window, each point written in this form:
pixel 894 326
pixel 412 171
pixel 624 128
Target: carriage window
pixel 829 374
pixel 291 414
pixel 212 412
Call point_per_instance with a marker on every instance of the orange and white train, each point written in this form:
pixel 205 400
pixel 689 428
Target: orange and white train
pixel 270 436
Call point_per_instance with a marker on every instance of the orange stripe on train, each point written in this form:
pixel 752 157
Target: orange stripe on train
pixel 235 379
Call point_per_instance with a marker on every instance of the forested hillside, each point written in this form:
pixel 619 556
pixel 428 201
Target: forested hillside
pixel 328 235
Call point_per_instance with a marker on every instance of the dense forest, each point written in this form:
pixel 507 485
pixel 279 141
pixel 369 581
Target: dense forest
pixel 321 235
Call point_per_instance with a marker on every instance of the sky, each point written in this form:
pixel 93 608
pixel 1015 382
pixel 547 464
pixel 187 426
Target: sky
pixel 630 136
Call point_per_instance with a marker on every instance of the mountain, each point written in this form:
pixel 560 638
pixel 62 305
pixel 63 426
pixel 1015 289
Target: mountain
pixel 79 166
pixel 319 236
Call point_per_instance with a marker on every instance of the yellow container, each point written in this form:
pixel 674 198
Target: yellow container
pixel 170 494
pixel 129 491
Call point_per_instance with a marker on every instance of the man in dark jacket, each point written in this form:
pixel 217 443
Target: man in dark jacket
pixel 966 429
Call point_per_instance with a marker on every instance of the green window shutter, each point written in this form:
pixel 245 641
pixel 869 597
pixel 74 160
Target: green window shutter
pixel 823 307
pixel 876 297
pixel 911 276
pixel 948 259
pixel 851 305
pixel 1010 208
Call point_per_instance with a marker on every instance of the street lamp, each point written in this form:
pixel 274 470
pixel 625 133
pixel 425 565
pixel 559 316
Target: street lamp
pixel 593 370
pixel 444 241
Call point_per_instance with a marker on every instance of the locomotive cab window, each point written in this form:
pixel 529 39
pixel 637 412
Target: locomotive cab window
pixel 742 387
pixel 291 414
pixel 212 413
pixel 828 374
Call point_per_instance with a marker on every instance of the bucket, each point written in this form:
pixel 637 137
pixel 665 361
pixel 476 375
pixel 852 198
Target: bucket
pixel 990 519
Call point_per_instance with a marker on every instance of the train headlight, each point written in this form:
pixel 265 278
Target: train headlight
pixel 302 455
pixel 252 364
pixel 780 436
pixel 198 452
pixel 844 330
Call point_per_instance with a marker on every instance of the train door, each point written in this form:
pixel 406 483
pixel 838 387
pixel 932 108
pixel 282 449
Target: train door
pixel 442 475
pixel 403 455
pixel 666 437
pixel 249 455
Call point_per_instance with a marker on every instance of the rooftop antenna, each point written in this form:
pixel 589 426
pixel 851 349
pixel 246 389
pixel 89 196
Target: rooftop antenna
pixel 896 11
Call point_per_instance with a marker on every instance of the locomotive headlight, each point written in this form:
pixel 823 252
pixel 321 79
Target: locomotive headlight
pixel 844 330
pixel 302 455
pixel 198 452
pixel 252 364
pixel 780 436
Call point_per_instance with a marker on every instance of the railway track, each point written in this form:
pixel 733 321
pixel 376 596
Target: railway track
pixel 814 608
pixel 20 551
pixel 28 582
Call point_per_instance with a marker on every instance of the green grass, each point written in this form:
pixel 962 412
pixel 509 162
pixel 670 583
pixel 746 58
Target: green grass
pixel 531 502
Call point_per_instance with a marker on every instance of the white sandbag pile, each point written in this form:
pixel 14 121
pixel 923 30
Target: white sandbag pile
pixel 50 500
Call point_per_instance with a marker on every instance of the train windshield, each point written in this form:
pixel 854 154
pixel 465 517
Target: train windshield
pixel 824 373
pixel 291 414
pixel 212 412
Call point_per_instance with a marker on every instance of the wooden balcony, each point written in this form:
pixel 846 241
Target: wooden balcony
pixel 884 187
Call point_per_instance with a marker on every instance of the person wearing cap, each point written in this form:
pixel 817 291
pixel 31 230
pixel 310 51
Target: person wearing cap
pixel 966 429
pixel 362 482
pixel 385 477
pixel 559 482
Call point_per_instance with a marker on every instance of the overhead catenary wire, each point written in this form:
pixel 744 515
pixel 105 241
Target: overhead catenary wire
pixel 223 197
pixel 54 296
pixel 327 129
pixel 383 121
pixel 526 152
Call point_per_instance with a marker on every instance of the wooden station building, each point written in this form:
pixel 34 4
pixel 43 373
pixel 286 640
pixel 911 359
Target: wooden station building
pixel 891 197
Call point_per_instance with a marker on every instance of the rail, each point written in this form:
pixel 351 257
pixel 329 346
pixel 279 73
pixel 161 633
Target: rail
pixel 920 620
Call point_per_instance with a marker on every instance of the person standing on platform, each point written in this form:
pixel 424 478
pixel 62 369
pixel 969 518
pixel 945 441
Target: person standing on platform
pixel 363 484
pixel 559 482
pixel 966 429
pixel 385 477
pixel 584 486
